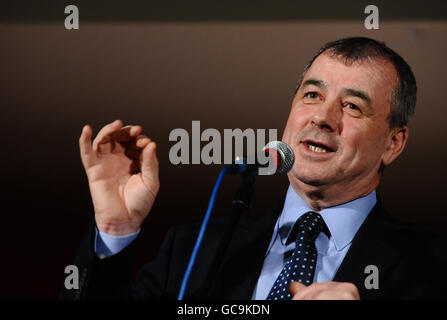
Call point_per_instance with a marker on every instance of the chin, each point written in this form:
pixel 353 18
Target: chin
pixel 313 181
pixel 309 178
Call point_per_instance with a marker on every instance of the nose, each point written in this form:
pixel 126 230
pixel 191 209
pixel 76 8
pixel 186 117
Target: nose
pixel 327 116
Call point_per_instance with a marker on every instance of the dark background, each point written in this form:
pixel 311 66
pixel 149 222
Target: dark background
pixel 163 65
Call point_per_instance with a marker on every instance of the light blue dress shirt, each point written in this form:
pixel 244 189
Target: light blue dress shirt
pixel 107 245
pixel 343 222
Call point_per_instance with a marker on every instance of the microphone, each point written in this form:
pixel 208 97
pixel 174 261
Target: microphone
pixel 277 158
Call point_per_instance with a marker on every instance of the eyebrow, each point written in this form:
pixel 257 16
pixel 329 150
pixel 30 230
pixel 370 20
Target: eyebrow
pixel 315 82
pixel 359 94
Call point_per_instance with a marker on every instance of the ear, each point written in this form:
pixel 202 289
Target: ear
pixel 395 144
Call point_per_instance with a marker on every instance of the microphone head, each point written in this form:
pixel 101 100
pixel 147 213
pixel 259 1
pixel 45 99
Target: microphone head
pixel 286 156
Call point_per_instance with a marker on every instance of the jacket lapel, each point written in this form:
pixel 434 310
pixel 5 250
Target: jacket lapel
pixel 245 256
pixel 370 246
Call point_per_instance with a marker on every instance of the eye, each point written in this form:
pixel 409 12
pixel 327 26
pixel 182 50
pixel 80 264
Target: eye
pixel 311 95
pixel 353 107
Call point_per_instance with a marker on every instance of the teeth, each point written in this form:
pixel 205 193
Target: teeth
pixel 316 149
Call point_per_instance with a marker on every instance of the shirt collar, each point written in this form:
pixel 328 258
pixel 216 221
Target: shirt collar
pixel 342 220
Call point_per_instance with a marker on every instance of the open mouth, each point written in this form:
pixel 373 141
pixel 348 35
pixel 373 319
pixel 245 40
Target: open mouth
pixel 318 147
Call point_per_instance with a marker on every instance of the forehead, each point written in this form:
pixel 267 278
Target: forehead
pixel 376 76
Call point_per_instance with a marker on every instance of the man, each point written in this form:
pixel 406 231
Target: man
pixel 348 121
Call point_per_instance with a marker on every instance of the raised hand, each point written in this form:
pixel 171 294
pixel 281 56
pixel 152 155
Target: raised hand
pixel 122 170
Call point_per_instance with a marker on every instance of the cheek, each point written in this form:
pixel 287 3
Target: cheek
pixel 296 122
pixel 363 146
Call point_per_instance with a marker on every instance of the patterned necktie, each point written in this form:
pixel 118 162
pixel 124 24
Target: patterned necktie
pixel 301 264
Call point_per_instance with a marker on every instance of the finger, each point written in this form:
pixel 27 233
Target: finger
pixel 133 150
pixel 133 147
pixel 136 143
pixel 126 133
pixel 149 162
pixel 106 145
pixel 140 142
pixel 85 143
pixel 296 287
pixel 105 132
pixel 85 140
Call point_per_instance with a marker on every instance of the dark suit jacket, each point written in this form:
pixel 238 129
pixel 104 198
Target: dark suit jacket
pixel 411 262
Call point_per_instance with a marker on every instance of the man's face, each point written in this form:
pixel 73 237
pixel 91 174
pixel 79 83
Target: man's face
pixel 338 125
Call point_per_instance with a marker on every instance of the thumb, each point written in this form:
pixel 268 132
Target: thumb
pixel 295 287
pixel 149 162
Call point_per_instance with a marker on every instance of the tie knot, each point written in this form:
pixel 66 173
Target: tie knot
pixel 310 225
